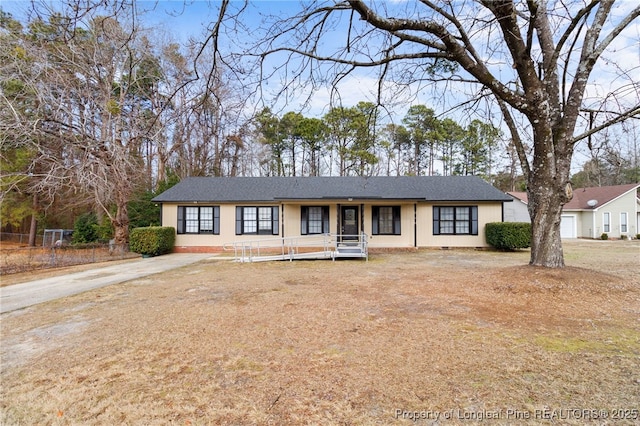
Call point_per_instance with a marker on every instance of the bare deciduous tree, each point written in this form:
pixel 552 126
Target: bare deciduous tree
pixel 536 59
pixel 91 114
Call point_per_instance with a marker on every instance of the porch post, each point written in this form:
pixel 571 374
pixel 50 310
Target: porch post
pixel 282 220
pixel 415 225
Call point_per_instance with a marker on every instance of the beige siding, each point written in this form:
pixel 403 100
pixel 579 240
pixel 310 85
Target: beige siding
pixel 290 225
pixel 487 212
pixel 227 227
pixel 406 237
pixel 292 217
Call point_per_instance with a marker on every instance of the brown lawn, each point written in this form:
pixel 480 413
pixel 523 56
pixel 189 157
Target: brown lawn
pixel 459 334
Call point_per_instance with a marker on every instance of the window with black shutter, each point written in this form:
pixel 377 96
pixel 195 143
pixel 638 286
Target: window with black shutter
pixel 455 220
pixel 385 220
pixel 198 220
pixel 262 220
pixel 314 220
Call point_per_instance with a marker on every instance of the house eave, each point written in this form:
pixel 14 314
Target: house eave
pixel 326 199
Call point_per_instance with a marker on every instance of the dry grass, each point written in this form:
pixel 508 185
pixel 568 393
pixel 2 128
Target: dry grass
pixel 346 342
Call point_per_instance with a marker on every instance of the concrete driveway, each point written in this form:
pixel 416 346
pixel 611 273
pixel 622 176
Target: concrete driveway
pixel 20 296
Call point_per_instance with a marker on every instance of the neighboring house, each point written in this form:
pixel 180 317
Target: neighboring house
pixel 518 210
pixel 395 212
pixel 611 210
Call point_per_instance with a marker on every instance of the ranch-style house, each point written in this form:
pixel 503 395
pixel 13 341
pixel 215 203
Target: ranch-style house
pixel 394 212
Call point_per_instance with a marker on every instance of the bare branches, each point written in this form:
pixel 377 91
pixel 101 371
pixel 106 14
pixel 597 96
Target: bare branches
pixel 633 112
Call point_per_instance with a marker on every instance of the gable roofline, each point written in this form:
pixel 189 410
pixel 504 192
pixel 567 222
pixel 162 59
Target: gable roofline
pixel 520 196
pixel 581 196
pixel 275 189
pixel 602 194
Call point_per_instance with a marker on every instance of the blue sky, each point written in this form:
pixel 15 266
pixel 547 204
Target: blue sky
pixel 190 18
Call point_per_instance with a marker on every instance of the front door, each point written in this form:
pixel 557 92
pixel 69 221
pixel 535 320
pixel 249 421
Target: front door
pixel 349 223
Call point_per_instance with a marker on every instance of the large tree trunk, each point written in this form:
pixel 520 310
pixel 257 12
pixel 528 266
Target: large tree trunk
pixel 121 224
pixel 545 208
pixel 548 189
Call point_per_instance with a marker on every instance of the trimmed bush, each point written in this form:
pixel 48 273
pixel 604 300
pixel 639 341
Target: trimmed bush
pixel 152 240
pixel 604 236
pixel 508 235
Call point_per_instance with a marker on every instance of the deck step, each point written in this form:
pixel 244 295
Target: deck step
pixel 349 250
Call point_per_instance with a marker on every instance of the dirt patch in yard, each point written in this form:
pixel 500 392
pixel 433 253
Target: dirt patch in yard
pixel 437 336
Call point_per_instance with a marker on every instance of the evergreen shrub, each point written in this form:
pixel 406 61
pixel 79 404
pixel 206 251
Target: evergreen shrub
pixel 152 240
pixel 508 235
pixel 84 229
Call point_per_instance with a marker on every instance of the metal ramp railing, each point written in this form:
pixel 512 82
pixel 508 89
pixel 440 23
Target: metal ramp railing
pixel 321 246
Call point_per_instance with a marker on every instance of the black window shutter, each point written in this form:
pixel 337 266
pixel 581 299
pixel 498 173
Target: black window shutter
pixel 474 220
pixel 216 220
pixel 375 214
pixel 396 220
pixel 238 220
pixel 325 219
pixel 275 224
pixel 436 220
pixel 180 220
pixel 304 211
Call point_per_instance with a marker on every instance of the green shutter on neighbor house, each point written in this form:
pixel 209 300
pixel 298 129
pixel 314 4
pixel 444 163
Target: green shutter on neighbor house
pixel 375 213
pixel 180 229
pixel 275 224
pixel 396 220
pixel 474 220
pixel 238 220
pixel 436 220
pixel 304 214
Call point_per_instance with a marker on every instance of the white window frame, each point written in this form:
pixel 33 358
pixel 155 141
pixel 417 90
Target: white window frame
pixel 257 220
pixel 606 222
pixel 198 220
pixel 624 224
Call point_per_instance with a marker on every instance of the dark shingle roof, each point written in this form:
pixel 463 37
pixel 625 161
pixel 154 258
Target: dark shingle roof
pixel 270 189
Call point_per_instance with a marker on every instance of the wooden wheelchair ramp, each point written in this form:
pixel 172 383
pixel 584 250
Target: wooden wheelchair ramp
pixel 323 246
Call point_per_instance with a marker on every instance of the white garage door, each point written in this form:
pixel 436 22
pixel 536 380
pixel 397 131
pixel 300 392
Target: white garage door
pixel 568 227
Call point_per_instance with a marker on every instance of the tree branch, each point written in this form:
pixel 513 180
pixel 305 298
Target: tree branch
pixel 633 112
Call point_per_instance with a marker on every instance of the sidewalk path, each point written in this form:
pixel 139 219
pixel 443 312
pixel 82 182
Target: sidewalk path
pixel 20 296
